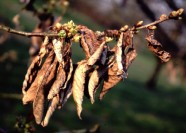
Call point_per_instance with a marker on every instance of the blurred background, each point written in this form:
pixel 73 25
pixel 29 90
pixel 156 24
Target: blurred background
pixel 152 98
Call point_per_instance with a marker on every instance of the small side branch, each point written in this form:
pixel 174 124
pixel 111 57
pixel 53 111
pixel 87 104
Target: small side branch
pixel 153 23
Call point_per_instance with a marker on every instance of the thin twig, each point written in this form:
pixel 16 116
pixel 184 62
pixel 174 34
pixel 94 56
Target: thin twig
pixel 27 34
pixel 153 23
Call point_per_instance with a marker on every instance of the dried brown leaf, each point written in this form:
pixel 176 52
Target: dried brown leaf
pixel 67 91
pixel 156 47
pixel 89 40
pixel 131 55
pixel 119 53
pixel 94 82
pixel 65 95
pixel 58 48
pixel 110 80
pixel 34 67
pixel 69 74
pixel 128 38
pixel 96 55
pixel 78 85
pixel 39 101
pixel 51 108
pixel 29 96
pixel 58 83
pixel 31 74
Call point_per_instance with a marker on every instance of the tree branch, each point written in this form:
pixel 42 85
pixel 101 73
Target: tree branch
pixel 27 34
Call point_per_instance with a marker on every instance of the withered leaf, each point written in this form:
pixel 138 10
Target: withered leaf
pixel 29 96
pixel 43 49
pixel 94 82
pixel 96 55
pixel 66 94
pixel 51 108
pixel 131 55
pixel 58 83
pixel 68 87
pixel 39 101
pixel 156 47
pixel 58 49
pixel 110 80
pixel 69 74
pixel 89 40
pixel 128 38
pixel 31 74
pixel 34 67
pixel 78 85
pixel 119 52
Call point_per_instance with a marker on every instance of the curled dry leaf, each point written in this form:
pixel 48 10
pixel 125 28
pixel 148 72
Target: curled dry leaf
pixel 156 47
pixel 31 74
pixel 96 55
pixel 58 48
pixel 51 108
pixel 58 83
pixel 68 87
pixel 39 101
pixel 110 80
pixel 34 67
pixel 88 41
pixel 78 85
pixel 131 55
pixel 94 82
pixel 119 52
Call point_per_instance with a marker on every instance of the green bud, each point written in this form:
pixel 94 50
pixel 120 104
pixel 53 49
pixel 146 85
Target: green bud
pixel 76 38
pixel 62 33
pixel 71 24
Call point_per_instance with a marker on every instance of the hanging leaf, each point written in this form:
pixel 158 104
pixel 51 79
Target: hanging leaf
pixel 67 91
pixel 29 96
pixel 156 47
pixel 51 108
pixel 58 48
pixel 130 56
pixel 58 83
pixel 78 85
pixel 96 55
pixel 119 53
pixel 65 94
pixel 34 67
pixel 110 80
pixel 94 82
pixel 31 74
pixel 39 101
pixel 88 41
pixel 69 74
